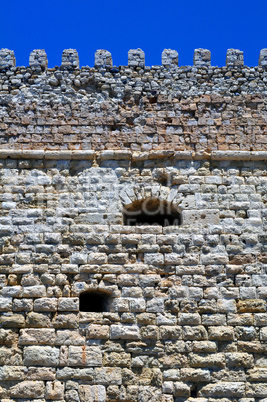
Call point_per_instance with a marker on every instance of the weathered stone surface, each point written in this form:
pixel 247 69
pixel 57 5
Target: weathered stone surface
pixel 234 57
pixel 172 307
pixel 202 57
pixel 84 356
pixel 103 58
pixel 169 58
pixel 136 58
pixel 7 58
pixel 28 389
pixel 40 356
pixel 38 58
pixel 70 58
pixel 223 389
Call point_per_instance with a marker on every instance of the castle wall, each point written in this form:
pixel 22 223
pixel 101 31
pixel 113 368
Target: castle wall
pixel 179 311
pixel 138 108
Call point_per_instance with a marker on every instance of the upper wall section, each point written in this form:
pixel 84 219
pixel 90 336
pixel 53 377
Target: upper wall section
pixel 135 107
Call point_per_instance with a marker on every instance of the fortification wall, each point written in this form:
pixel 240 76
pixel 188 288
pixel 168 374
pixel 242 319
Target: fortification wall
pixel 177 312
pixel 133 107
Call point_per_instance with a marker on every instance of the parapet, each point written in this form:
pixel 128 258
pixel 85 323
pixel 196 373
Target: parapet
pixel 136 58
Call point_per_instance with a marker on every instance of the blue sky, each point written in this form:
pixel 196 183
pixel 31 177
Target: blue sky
pixel 119 25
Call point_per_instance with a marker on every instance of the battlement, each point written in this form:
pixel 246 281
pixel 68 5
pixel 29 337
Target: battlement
pixel 136 58
pixel 134 107
pixel 133 229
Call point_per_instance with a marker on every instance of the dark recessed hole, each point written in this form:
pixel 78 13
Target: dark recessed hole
pixel 154 99
pixel 193 392
pixel 94 302
pixel 151 211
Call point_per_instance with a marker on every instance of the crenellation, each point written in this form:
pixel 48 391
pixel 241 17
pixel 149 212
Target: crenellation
pixel 136 58
pixel 169 58
pixel 234 58
pixel 38 58
pixel 103 58
pixel 202 58
pixel 7 59
pixel 70 59
pixel 263 57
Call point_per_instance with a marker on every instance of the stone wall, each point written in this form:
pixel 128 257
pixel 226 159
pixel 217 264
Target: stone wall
pixel 133 107
pixel 184 317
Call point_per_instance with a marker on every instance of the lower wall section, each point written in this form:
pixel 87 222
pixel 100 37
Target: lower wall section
pixel 175 313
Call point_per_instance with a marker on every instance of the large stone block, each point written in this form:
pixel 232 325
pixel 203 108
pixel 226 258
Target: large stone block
pixel 84 356
pixel 41 356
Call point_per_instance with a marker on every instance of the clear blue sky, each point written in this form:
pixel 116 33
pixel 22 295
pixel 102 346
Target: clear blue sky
pixel 119 25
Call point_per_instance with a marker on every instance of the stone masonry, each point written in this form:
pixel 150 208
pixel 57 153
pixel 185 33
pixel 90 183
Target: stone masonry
pixel 175 312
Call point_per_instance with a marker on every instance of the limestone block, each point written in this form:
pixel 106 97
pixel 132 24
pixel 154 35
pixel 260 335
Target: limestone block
pixel 70 59
pixel 22 304
pixel 136 58
pixel 92 393
pixel 34 291
pixel 223 389
pixel 45 304
pixel 154 258
pixel 37 320
pixel 8 337
pixel 239 360
pixel 78 258
pixel 95 331
pixel 97 258
pixel 11 373
pixel 202 58
pixel 7 59
pixel 194 375
pixel 72 395
pixel 40 356
pixel 257 374
pixel 38 58
pixel 263 334
pixel 103 58
pixel 137 305
pixel 169 58
pixel 155 305
pixel 189 319
pixel 84 356
pixel 181 389
pixel 124 332
pixel 108 375
pixel 171 374
pixel 149 332
pixel 208 361
pixel 263 58
pixel 170 332
pixel 221 333
pixel 200 217
pixel 10 356
pixel 54 390
pixel 37 336
pixel 5 303
pixel 68 304
pixel 234 57
pixel 69 337
pixel 41 373
pixel 12 320
pixel 168 387
pixel 11 291
pixel 214 319
pixel 251 306
pixel 28 389
pixel 115 359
